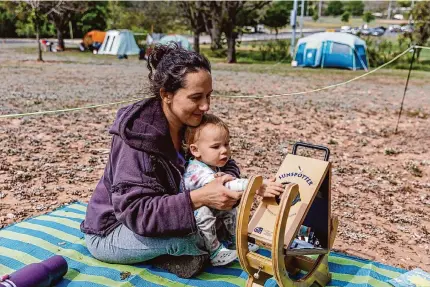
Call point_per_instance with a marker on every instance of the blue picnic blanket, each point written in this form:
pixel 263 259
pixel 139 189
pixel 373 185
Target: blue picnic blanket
pixel 58 233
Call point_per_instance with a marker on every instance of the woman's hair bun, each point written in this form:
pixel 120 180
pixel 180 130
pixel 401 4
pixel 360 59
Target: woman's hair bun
pixel 159 52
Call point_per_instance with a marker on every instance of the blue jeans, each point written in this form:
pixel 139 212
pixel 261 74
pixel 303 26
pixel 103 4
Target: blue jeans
pixel 123 246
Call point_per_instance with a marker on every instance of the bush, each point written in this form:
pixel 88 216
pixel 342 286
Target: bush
pixel 335 8
pixel 315 17
pixel 275 51
pixel 382 51
pixel 345 17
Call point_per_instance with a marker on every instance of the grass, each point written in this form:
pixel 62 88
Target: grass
pixel 246 63
pixel 336 23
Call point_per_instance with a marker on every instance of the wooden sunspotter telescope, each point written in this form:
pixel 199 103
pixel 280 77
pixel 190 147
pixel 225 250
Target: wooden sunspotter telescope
pixel 306 201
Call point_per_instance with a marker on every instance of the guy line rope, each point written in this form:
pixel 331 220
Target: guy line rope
pixel 243 96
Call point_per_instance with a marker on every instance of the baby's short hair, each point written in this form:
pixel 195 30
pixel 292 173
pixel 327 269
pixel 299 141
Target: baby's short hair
pixel 192 133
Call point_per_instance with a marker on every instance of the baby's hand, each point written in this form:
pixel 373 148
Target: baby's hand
pixel 219 174
pixel 270 188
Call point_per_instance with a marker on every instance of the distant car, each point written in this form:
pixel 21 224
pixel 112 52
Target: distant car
pixel 398 16
pixel 365 32
pixel 378 31
pixel 394 28
pixel 407 29
pixel 345 29
pixel 377 15
pixel 355 31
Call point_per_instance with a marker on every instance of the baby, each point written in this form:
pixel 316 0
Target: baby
pixel 209 147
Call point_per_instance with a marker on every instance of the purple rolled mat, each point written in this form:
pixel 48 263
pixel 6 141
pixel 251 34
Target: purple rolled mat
pixel 42 274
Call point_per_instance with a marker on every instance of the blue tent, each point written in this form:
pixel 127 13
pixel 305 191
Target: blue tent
pixel 331 49
pixel 178 39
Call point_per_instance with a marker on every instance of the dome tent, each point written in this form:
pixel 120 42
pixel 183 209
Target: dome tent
pixel 331 49
pixel 178 39
pixel 119 42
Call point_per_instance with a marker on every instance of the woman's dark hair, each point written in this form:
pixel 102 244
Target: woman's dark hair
pixel 168 65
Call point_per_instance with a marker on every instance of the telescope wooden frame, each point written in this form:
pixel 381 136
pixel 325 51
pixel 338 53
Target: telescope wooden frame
pixel 284 261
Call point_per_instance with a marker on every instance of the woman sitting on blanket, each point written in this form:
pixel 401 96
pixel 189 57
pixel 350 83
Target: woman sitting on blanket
pixel 140 209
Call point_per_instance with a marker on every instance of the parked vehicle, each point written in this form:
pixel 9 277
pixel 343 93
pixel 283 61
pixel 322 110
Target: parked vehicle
pixel 398 16
pixel 355 31
pixel 394 28
pixel 407 29
pixel 378 31
pixel 365 32
pixel 345 29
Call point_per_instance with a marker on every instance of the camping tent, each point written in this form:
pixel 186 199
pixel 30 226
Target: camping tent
pixel 119 42
pixel 178 39
pixel 331 49
pixel 152 39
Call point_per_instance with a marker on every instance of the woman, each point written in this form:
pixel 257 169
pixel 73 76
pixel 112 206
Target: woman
pixel 139 209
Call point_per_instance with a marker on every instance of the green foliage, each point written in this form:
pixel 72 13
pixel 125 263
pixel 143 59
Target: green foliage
pixel 421 16
pixel 275 51
pixel 356 8
pixel 122 16
pixel 94 18
pixel 7 20
pixel 404 3
pixel 315 17
pixel 345 17
pixel 382 51
pixel 24 22
pixel 278 15
pixel 144 17
pixel 334 8
pixel 27 29
pixel 247 17
pixel 368 17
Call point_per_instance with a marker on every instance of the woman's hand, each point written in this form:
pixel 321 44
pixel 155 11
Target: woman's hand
pixel 270 188
pixel 216 195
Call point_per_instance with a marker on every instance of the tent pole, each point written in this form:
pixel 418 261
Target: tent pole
pixel 406 87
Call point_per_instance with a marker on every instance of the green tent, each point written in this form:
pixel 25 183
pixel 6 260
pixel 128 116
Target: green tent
pixel 180 40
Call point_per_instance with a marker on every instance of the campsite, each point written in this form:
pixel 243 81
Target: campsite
pixel 51 163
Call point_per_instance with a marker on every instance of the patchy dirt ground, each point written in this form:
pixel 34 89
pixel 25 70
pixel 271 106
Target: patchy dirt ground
pixel 380 188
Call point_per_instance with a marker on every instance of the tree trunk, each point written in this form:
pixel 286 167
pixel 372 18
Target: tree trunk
pixel 60 39
pixel 389 11
pixel 196 41
pixel 215 34
pixel 213 23
pixel 231 48
pixel 39 46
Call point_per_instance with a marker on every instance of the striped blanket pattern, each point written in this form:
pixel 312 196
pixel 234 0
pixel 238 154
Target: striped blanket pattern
pixel 58 233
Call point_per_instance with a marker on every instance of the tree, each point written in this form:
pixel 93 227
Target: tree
pixel 421 16
pixel 277 16
pixel 193 13
pixel 95 17
pixel 60 13
pixel 404 3
pixel 227 17
pixel 368 17
pixel 345 17
pixel 34 11
pixel 356 8
pixel 213 18
pixel 334 8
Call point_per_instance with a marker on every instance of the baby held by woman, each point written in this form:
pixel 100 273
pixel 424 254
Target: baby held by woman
pixel 208 144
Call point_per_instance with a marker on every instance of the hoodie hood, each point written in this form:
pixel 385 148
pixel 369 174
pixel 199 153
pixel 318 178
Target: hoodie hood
pixel 144 126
